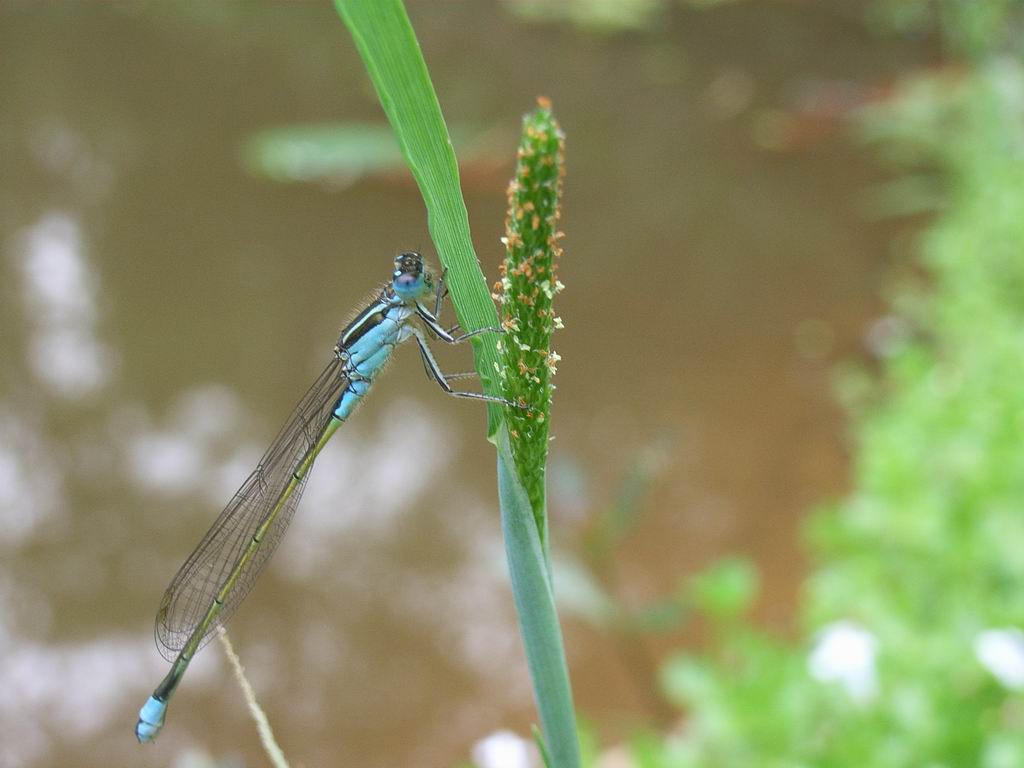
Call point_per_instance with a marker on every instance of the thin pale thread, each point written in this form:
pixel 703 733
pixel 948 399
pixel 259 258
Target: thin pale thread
pixel 270 746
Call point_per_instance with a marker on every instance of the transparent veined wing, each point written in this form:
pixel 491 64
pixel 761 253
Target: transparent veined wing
pixel 193 589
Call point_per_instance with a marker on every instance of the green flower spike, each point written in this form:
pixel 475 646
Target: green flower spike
pixel 529 282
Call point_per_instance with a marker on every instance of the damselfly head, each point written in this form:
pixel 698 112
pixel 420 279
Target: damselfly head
pixel 411 278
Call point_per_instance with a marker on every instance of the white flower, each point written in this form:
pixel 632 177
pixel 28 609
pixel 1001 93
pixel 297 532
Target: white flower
pixel 502 749
pixel 844 653
pixel 1001 652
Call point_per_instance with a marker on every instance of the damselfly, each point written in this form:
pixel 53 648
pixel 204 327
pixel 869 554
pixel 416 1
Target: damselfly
pixel 220 571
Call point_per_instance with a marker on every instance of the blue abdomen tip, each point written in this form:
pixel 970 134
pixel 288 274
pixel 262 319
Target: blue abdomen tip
pixel 151 720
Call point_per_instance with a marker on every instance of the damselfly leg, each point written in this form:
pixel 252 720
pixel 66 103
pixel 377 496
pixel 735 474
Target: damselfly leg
pixel 442 291
pixel 432 324
pixel 442 380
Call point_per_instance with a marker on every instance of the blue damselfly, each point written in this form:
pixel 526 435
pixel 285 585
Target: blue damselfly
pixel 222 569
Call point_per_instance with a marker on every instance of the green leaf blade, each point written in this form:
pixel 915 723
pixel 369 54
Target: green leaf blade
pixel 538 617
pixel 388 46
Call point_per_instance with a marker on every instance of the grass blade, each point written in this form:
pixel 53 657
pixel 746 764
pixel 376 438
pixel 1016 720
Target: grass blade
pixel 538 618
pixel 387 43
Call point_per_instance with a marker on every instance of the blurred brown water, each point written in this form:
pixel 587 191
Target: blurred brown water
pixel 161 310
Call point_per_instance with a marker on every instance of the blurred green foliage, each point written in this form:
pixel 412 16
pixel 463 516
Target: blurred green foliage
pixel 967 27
pixel 604 16
pixel 596 15
pixel 725 590
pixel 918 574
pixel 337 155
